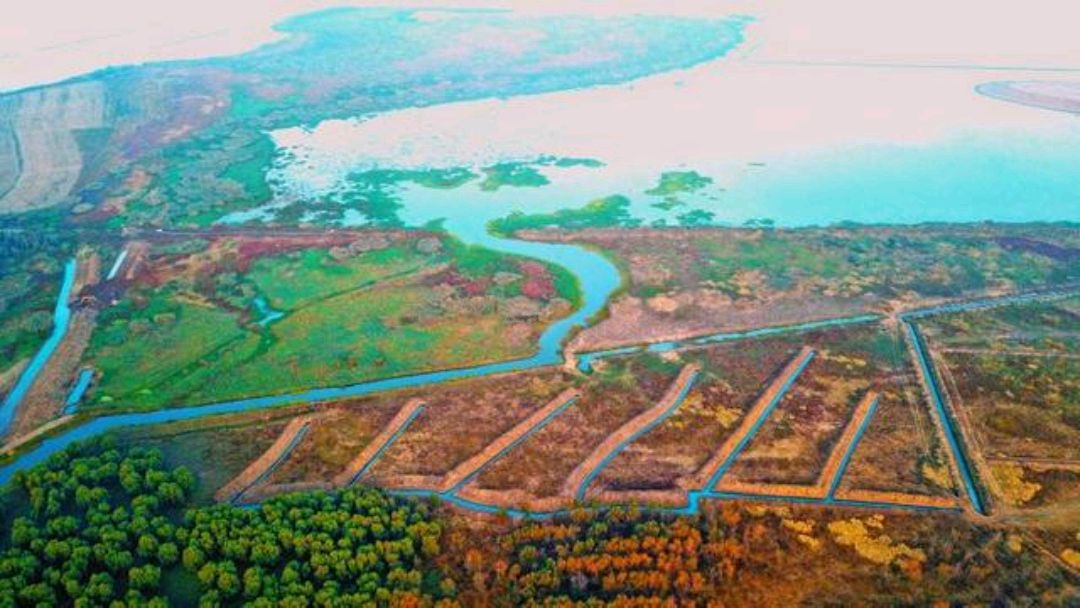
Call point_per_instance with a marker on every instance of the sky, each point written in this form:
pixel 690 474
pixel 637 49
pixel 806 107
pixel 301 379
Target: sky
pixel 44 41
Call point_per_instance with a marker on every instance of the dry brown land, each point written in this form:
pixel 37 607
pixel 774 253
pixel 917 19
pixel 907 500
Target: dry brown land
pixel 701 477
pixel 820 488
pixel 793 444
pixel 47 155
pixel 573 484
pixel 731 379
pixel 334 439
pixel 235 488
pixel 461 472
pixel 379 442
pixel 458 421
pixel 539 466
pixel 45 399
pixel 1004 423
pixel 901 450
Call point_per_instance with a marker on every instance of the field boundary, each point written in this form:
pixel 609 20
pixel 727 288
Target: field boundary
pixel 585 472
pixel 1038 464
pixel 898 498
pixel 464 472
pixel 259 469
pixel 718 464
pixel 832 472
pixel 367 457
pixel 943 416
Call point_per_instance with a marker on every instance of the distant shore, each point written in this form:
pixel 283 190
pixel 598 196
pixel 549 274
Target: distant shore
pixel 1058 96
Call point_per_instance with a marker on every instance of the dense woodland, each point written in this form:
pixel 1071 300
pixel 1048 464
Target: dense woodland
pixel 102 525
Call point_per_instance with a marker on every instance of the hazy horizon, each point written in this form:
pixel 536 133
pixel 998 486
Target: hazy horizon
pixel 52 40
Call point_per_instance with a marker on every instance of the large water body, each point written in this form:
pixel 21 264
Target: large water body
pixel 801 145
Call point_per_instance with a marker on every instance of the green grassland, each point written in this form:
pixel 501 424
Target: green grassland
pixel 346 319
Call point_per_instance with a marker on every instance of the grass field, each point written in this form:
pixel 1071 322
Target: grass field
pixel 188 331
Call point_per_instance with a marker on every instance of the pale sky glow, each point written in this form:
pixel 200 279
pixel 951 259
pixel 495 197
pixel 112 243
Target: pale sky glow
pixel 47 40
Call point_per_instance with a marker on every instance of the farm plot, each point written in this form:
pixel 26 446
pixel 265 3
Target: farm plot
pixel 459 421
pixel 793 446
pixel 539 467
pixel 334 439
pixel 901 451
pixel 1040 327
pixel 731 377
pixel 1017 406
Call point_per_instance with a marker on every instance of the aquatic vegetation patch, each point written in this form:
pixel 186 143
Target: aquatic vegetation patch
pixel 514 175
pixel 604 212
pixel 673 185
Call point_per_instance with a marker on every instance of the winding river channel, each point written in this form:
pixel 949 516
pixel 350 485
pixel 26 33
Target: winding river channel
pixel 597 276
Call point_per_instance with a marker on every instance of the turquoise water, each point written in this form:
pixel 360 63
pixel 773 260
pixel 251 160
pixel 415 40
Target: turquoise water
pixel 944 419
pixel 61 318
pixel 116 265
pixel 1000 178
pixel 82 382
pixel 598 277
pixel 268 315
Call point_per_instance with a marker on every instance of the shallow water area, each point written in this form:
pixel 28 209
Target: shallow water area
pixel 801 145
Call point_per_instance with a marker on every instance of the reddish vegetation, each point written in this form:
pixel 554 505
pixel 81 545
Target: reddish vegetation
pixel 538 284
pixel 469 287
pixel 1050 250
